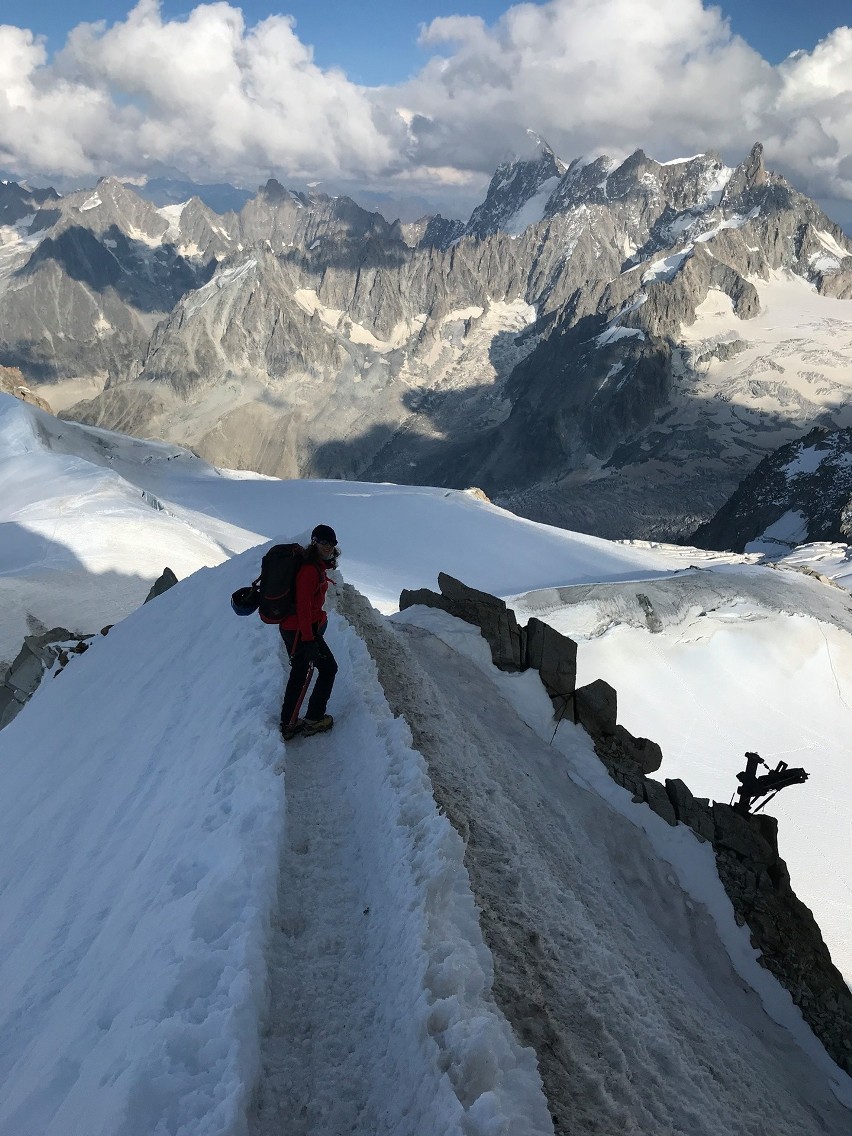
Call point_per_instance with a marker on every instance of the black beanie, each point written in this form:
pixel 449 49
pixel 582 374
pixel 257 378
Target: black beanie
pixel 324 534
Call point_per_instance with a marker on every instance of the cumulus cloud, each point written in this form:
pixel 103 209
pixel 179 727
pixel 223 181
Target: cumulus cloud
pixel 811 128
pixel 205 93
pixel 609 75
pixel 219 99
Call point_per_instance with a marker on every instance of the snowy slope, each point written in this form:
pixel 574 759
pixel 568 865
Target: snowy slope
pixel 79 545
pixel 170 864
pixel 137 881
pixel 90 519
pixel 767 378
pixel 139 893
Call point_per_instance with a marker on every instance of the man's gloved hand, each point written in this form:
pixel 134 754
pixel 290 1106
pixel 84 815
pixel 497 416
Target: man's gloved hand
pixel 310 651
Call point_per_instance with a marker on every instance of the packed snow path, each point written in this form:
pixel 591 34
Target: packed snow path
pixel 322 995
pixel 381 1019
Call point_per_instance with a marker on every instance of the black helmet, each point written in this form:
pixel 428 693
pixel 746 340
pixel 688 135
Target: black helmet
pixel 245 601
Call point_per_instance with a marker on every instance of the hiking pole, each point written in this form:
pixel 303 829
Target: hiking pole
pixel 295 715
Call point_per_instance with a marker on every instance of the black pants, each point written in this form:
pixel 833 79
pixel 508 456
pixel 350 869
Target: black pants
pixel 326 668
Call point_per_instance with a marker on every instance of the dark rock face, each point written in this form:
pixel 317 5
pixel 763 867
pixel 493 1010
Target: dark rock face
pixel 755 877
pixel 811 477
pixel 753 874
pixel 441 232
pixel 514 184
pixel 54 648
pixel 167 579
pixel 596 708
pixel 782 928
pixel 37 655
pixel 554 656
pixel 18 202
pixel 496 621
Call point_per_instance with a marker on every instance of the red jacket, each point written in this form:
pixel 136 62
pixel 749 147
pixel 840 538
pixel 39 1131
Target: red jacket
pixel 311 587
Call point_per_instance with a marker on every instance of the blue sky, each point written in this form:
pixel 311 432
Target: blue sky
pixel 376 42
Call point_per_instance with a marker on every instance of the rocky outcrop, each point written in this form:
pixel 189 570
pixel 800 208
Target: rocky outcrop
pixel 782 928
pixel 752 872
pixel 52 651
pixel 167 579
pixel 513 648
pixel 38 655
pixel 491 615
pixel 595 708
pixel 13 382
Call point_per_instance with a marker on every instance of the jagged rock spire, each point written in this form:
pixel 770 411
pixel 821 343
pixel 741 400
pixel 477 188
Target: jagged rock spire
pixel 749 174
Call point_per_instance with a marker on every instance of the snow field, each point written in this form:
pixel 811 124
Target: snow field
pixel 79 544
pixel 138 874
pixel 783 682
pixel 382 1019
pixel 805 336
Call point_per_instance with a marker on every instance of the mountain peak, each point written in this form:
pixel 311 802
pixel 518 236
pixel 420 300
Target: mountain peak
pixel 519 190
pixel 749 174
pixel 18 201
pixel 538 149
pixel 273 190
pixel 754 166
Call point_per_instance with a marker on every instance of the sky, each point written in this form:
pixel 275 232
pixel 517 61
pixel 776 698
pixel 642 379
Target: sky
pixel 379 43
pixel 149 810
pixel 427 100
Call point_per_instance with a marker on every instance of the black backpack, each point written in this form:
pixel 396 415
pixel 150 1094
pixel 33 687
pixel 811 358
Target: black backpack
pixel 276 586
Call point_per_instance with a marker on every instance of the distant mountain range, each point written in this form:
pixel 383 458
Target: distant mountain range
pixel 220 197
pixel 606 346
